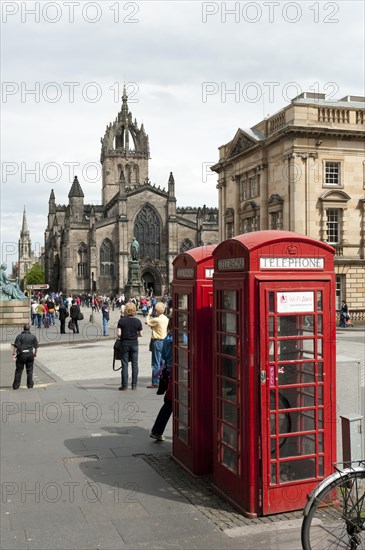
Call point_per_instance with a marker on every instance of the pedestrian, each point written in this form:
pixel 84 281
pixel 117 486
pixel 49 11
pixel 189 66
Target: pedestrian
pixel 75 314
pixel 62 315
pixel 166 409
pixel 51 311
pixel 158 325
pixel 129 330
pixel 105 314
pixel 24 351
pixel 344 314
pixel 34 312
pixel 40 313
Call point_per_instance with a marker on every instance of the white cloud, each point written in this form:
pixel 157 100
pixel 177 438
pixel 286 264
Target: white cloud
pixel 169 53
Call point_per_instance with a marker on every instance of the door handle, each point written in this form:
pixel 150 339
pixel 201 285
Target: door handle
pixel 263 376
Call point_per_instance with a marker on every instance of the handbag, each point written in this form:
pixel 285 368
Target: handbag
pixel 117 353
pixel 164 382
pixel 80 317
pixel 70 324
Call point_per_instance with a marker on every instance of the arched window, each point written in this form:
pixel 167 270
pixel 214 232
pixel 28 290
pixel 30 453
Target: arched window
pixel 82 260
pixel 186 245
pixel 107 258
pixel 147 232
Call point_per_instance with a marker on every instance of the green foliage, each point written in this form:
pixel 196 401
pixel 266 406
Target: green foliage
pixel 35 275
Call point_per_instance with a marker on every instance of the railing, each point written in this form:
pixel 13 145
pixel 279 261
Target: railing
pixel 356 315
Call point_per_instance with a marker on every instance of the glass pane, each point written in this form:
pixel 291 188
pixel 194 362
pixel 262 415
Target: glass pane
pixel 273 474
pixel 288 350
pixel 183 357
pixel 183 375
pixel 228 344
pixel 320 419
pixel 297 373
pixel 183 432
pixel 182 320
pixel 272 350
pixel 271 302
pixel 320 372
pixel 319 348
pixel 296 397
pixel 289 325
pixel 308 325
pixel 229 367
pixel 320 395
pixel 320 466
pixel 183 394
pixel 183 413
pixel 320 442
pixel 271 326
pixel 297 469
pixel 229 390
pixel 320 324
pixel 302 421
pixel 229 322
pixel 229 413
pixel 229 436
pixel 182 301
pixel 182 338
pixel 229 459
pixel 319 300
pixel 229 299
pixel 297 446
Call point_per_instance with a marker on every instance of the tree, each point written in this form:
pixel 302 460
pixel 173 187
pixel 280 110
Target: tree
pixel 35 275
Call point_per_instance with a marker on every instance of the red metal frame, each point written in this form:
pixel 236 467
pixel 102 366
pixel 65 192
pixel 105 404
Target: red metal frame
pixel 296 345
pixel 192 290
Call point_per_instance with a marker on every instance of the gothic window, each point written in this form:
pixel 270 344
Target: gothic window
pixel 120 172
pixel 82 261
pixel 186 245
pixel 107 258
pixel 147 231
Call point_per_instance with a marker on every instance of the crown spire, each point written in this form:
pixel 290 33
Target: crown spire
pixel 25 229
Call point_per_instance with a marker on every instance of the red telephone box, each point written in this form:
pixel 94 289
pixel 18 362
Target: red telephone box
pixel 192 291
pixel 274 369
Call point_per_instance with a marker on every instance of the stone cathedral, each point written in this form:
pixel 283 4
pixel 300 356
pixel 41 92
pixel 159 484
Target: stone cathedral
pixel 87 247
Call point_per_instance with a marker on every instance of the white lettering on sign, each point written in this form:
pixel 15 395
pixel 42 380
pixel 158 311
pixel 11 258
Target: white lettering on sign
pixel 292 263
pixel 209 273
pixel 231 264
pixel 295 302
pixel 187 273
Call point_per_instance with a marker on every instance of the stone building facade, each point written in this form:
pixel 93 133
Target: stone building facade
pixel 87 247
pixel 302 170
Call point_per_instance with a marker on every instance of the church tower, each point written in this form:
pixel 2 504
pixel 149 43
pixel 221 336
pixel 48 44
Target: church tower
pixel 124 153
pixel 25 255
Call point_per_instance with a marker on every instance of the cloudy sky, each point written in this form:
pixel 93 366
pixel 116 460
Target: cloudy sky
pixel 195 72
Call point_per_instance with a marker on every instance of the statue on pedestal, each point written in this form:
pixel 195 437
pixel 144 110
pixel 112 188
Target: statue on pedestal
pixel 9 288
pixel 135 249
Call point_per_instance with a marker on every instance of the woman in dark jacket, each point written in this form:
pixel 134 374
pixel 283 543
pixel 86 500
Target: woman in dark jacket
pixel 74 314
pixel 62 314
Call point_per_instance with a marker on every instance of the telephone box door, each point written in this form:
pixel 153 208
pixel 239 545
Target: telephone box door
pixel 296 400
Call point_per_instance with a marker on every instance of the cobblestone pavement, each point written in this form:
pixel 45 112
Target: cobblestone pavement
pixel 199 492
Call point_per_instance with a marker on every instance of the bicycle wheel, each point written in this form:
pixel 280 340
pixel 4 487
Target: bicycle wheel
pixel 336 518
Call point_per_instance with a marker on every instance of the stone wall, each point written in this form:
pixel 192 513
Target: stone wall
pixel 14 312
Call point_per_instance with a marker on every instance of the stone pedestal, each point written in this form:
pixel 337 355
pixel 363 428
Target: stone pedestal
pixel 14 312
pixel 134 286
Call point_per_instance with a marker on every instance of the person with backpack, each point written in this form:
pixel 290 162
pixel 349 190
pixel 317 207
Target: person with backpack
pixel 24 351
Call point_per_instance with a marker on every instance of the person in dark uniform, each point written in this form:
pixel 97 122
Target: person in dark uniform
pixel 129 330
pixel 25 350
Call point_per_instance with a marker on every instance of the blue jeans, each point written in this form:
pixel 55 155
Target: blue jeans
pixel 156 360
pixel 129 351
pixel 105 326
